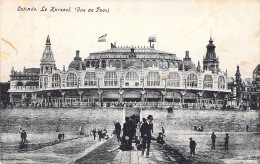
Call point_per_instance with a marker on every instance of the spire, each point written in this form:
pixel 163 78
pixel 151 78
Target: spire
pixel 47 56
pixel 210 40
pixel 238 72
pixel 48 41
pixel 198 67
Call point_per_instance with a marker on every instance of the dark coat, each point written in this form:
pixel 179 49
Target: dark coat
pixel 146 131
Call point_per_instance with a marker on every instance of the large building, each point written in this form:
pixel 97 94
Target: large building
pixel 123 74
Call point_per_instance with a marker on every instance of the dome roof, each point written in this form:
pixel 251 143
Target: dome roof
pixel 77 63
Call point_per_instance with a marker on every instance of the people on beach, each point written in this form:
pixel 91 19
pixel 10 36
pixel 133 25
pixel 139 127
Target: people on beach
pixel 247 128
pixel 226 141
pixel 213 139
pixel 160 138
pixel 163 131
pixel 94 133
pixel 99 134
pixel 192 147
pixel 59 136
pixel 146 136
pixel 127 134
pixel 24 136
pixel 118 130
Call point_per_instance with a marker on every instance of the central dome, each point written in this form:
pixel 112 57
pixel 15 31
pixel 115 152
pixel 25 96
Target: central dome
pixel 77 63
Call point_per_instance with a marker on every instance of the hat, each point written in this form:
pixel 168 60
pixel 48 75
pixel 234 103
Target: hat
pixel 23 130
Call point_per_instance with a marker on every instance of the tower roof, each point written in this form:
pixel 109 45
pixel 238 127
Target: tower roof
pixel 211 54
pixel 47 56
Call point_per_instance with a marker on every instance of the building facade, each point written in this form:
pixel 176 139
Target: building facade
pixel 126 74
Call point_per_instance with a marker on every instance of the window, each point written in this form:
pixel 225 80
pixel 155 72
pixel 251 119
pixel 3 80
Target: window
pixel 110 79
pixel 192 81
pixel 153 79
pixel 72 80
pixel 90 79
pixel 131 76
pixel 173 79
pixel 208 81
pixel 221 82
pixel 55 80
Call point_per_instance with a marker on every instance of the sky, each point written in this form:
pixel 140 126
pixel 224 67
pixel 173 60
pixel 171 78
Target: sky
pixel 179 26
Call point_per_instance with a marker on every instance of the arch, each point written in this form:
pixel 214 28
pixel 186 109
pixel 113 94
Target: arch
pixel 221 82
pixel 173 79
pixel 132 78
pixel 154 63
pixel 208 81
pixel 161 64
pixel 90 79
pixel 104 64
pixel 88 64
pixel 111 63
pixel 93 63
pixel 97 64
pixel 110 79
pixel 165 64
pixel 153 79
pixel 192 80
pixel 56 80
pixel 118 64
pixel 147 64
pixel 124 64
pixel 131 75
pixel 19 83
pixel 72 79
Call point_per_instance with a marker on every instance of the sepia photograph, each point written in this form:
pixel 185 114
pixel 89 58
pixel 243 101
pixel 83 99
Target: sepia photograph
pixel 129 82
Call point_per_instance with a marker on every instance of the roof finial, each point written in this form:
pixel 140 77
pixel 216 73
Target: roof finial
pixel 48 41
pixel 210 40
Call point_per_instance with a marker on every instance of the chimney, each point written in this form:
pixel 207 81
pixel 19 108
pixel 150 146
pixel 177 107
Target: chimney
pixel 187 54
pixel 77 53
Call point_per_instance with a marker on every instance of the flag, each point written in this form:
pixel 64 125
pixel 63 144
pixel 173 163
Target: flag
pixel 102 38
pixel 152 38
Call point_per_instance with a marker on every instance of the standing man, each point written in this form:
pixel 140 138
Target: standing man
pixel 226 141
pixel 146 137
pixel 23 136
pixel 213 138
pixel 192 147
pixel 118 130
pixel 94 133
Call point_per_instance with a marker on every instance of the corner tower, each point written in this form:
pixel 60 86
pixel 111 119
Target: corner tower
pixel 47 60
pixel 210 62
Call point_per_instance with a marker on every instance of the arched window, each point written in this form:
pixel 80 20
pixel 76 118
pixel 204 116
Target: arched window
pixel 192 81
pixel 173 79
pixel 110 79
pixel 55 80
pixel 154 63
pixel 111 63
pixel 153 79
pixel 132 76
pixel 118 63
pixel 208 81
pixel 72 80
pixel 221 82
pixel 147 64
pixel 88 64
pixel 104 64
pixel 90 79
pixel 93 63
pixel 97 64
